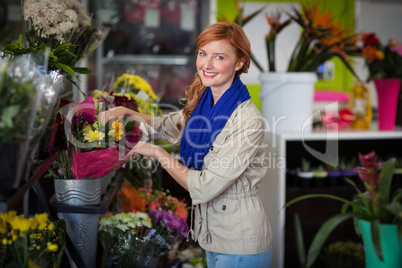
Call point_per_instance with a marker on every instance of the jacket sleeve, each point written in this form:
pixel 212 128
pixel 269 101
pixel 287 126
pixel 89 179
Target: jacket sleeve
pixel 164 128
pixel 229 160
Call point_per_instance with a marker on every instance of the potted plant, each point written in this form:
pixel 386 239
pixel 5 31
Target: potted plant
pixel 384 65
pixel 375 212
pixel 320 40
pixel 305 171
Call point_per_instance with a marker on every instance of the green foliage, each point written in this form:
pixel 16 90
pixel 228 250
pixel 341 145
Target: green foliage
pixel 389 67
pixel 15 99
pixel 375 205
pixel 343 254
pixel 62 58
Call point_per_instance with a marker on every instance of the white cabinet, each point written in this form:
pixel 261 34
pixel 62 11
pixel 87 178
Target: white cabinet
pixel 286 148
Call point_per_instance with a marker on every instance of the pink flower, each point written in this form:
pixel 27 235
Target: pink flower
pixel 154 205
pixel 397 49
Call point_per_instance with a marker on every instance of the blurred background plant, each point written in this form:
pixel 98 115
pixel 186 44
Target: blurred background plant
pixel 345 254
pixel 383 61
pixel 30 242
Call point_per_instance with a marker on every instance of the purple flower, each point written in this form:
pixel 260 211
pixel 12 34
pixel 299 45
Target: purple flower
pixel 166 220
pixel 156 215
pixel 80 119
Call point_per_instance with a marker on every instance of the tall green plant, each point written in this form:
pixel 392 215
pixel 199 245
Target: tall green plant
pixel 375 204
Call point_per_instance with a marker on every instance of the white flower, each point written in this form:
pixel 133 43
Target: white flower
pixel 51 18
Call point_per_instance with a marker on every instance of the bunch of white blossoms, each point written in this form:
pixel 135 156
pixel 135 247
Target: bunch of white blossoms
pixel 54 19
pixel 128 222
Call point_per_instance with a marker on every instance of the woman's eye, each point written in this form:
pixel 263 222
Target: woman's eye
pixel 202 54
pixel 219 57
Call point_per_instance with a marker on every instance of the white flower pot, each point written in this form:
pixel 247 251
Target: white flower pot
pixel 287 100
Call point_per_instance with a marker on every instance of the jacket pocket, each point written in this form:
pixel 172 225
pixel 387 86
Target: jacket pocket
pixel 224 219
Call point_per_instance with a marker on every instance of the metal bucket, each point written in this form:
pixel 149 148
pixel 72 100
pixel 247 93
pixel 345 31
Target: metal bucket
pixel 81 228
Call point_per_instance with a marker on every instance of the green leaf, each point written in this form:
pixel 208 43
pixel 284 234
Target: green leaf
pixel 301 251
pixel 375 234
pixel 395 208
pixel 322 235
pixel 8 115
pixel 386 175
pixel 82 70
pixel 251 16
pixel 66 68
pixel 20 41
pixel 353 185
pixel 319 195
pixel 397 195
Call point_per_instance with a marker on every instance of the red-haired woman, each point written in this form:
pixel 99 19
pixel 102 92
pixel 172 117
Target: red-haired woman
pixel 222 149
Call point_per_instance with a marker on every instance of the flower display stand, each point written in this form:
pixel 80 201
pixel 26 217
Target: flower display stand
pixel 54 208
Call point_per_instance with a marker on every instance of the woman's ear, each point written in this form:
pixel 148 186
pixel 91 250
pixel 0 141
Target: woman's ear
pixel 239 65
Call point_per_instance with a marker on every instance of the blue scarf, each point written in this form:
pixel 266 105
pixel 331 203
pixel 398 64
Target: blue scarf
pixel 207 121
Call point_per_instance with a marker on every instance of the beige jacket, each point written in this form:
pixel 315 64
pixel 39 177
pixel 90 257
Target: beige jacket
pixel 229 216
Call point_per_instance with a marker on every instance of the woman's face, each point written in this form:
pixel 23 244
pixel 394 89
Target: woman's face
pixel 217 64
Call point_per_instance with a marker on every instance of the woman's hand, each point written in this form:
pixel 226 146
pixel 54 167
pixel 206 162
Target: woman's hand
pixel 145 149
pixel 105 116
pixel 121 111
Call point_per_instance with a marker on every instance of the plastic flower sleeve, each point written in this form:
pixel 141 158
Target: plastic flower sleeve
pixel 27 97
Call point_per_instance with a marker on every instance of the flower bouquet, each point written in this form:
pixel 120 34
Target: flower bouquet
pixel 61 27
pixel 27 97
pixel 33 242
pixel 128 240
pixel 172 228
pixel 94 150
pixel 384 66
pixel 145 200
pixel 383 61
pixel 135 87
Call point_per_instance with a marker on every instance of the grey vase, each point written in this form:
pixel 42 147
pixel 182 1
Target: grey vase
pixel 82 228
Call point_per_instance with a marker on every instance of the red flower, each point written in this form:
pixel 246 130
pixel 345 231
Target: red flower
pixel 125 101
pixel 369 174
pixel 371 40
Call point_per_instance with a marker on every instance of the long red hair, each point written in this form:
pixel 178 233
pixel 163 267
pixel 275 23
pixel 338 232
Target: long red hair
pixel 236 37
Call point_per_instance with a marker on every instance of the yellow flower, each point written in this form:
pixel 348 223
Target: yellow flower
pixel 131 82
pixel 42 219
pixel 93 135
pixel 118 130
pixel 20 223
pixel 8 216
pixel 3 227
pixel 52 247
pixel 4 241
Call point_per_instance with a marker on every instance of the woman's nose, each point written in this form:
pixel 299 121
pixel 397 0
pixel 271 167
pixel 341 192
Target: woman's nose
pixel 208 63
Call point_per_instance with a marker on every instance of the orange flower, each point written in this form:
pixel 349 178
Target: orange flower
pixel 181 213
pixel 371 53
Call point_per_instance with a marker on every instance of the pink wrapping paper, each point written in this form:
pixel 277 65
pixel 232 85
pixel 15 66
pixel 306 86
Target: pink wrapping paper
pixel 95 164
